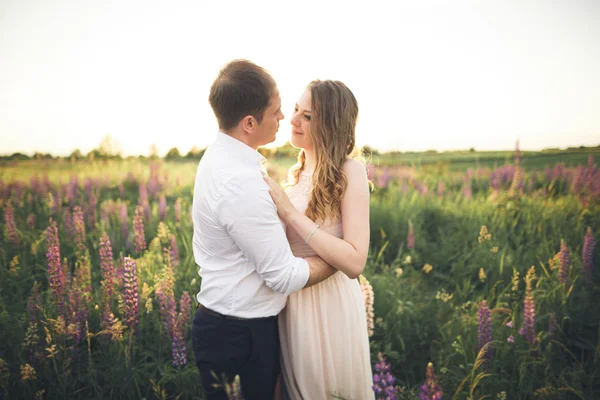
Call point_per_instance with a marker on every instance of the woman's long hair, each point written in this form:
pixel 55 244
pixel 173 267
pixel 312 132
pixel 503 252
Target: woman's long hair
pixel 332 129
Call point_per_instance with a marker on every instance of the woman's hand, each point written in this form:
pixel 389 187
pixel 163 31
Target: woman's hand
pixel 285 208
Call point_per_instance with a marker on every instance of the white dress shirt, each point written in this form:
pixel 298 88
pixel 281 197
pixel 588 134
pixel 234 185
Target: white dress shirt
pixel 246 264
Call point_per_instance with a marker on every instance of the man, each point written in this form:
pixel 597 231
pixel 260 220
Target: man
pixel 245 260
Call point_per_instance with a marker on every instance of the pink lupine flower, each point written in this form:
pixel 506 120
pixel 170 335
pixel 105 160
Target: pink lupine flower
pixel 56 275
pixel 11 227
pixel 162 207
pixel 588 253
pixel 79 229
pixel 124 226
pixel 107 267
pixel 131 295
pixel 138 230
pixel 563 275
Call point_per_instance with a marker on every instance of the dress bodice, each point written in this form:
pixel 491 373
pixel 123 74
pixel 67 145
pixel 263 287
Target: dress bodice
pixel 299 195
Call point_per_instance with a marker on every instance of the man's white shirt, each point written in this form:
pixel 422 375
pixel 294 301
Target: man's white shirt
pixel 246 264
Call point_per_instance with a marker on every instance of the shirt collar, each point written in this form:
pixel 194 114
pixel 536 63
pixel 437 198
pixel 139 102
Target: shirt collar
pixel 241 151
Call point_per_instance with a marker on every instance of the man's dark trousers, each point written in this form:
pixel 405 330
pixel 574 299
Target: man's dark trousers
pixel 248 348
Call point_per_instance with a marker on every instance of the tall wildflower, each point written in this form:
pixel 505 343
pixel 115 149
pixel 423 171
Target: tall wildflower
pixel 529 308
pixel 440 189
pixel 178 210
pixel 138 230
pixel 162 207
pixel 484 329
pixel 383 380
pixel 56 276
pixel 563 272
pixel 107 266
pixel 91 215
pixel 588 253
pixel 174 251
pixel 369 298
pixel 124 226
pixel 11 227
pixel 131 308
pixel 31 221
pixel 430 389
pixel 79 229
pixel 411 236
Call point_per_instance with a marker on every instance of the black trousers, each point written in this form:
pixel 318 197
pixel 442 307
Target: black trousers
pixel 248 348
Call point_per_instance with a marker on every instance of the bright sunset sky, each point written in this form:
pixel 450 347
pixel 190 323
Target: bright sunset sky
pixel 427 74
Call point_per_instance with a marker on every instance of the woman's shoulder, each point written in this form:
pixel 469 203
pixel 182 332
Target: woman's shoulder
pixel 354 168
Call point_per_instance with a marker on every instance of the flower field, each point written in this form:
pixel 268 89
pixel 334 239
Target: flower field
pixel 481 281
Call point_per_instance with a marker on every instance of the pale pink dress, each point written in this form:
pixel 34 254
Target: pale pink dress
pixel 323 328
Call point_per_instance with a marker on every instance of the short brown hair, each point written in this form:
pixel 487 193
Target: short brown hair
pixel 242 88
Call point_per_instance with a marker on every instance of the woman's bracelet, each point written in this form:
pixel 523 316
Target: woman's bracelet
pixel 311 233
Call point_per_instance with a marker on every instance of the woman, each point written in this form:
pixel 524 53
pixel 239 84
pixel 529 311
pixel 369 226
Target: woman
pixel 323 329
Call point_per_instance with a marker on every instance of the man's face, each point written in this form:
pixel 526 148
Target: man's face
pixel 267 129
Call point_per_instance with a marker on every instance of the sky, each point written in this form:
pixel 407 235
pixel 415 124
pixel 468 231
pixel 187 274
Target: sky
pixel 428 75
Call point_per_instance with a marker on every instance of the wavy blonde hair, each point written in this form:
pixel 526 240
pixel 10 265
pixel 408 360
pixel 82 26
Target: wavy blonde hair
pixel 334 113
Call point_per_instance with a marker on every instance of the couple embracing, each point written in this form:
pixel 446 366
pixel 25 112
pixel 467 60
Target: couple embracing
pixel 280 304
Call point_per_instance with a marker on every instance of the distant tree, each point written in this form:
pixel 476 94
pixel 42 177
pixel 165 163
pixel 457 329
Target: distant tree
pixel 195 153
pixel 42 156
pixel 173 154
pixel 472 150
pixel 76 155
pixel 153 152
pixel 285 151
pixel 18 157
pixel 369 151
pixel 108 148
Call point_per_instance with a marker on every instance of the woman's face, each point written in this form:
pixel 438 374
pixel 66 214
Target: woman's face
pixel 300 121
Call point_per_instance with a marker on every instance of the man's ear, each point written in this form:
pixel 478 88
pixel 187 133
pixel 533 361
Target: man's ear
pixel 249 123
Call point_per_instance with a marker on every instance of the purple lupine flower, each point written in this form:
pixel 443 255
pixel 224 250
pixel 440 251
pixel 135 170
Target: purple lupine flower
pixel 511 339
pixel 370 171
pixel 588 253
pixel 383 380
pixel 467 190
pixel 124 226
pixel 162 207
pixel 178 210
pixel 440 189
pixel 34 301
pixel 517 154
pixel 77 310
pixel 563 274
pixel 107 266
pixel 138 230
pixel 143 201
pixel 578 180
pixel 411 236
pixel 510 324
pixel 11 227
pixel 484 331
pixel 91 214
pixel 56 274
pixel 87 186
pixel 185 307
pixel 430 389
pixel 528 329
pixel 131 295
pixel 31 221
pixel 383 179
pixel 589 174
pixel 174 251
pixel 79 229
pixel 178 343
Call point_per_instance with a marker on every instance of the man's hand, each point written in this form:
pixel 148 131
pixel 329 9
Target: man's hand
pixel 319 270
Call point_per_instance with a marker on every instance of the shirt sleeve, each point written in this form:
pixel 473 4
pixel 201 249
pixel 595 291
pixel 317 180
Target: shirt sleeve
pixel 250 217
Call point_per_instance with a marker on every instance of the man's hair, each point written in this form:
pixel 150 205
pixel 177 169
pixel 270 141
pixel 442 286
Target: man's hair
pixel 242 88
